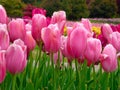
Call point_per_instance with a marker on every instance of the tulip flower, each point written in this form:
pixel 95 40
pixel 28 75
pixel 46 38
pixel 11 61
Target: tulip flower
pixel 2 66
pixel 106 30
pixel 16 57
pixel 87 24
pixel 3 15
pixel 81 25
pixel 109 58
pixel 39 11
pixel 28 27
pixel 16 29
pixel 93 50
pixel 29 41
pixel 38 22
pixel 59 18
pixel 4 37
pixel 76 42
pixel 51 38
pixel 115 40
pixel 115 27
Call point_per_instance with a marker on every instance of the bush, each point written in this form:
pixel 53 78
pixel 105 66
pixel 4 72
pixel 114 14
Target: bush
pixel 103 8
pixel 118 5
pixel 75 9
pixel 13 7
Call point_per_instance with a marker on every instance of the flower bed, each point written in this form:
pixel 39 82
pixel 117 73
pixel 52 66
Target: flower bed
pixel 53 54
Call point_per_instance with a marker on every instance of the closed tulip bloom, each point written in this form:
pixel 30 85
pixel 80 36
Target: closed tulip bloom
pixel 59 18
pixel 87 24
pixel 76 42
pixel 109 58
pixel 38 22
pixel 2 66
pixel 93 50
pixel 16 57
pixel 3 15
pixel 16 29
pixel 115 40
pixel 106 30
pixel 4 37
pixel 51 38
pixel 29 41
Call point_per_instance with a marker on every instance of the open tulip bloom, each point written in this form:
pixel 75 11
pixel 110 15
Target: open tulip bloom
pixel 49 54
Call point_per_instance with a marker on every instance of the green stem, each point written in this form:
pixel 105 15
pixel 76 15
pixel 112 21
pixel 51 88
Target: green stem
pixel 52 59
pixel 37 62
pixel 59 59
pixel 112 80
pixel 77 74
pixel 13 82
pixel 21 83
pixel 94 76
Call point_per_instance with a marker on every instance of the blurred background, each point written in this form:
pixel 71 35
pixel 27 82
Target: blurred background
pixel 75 9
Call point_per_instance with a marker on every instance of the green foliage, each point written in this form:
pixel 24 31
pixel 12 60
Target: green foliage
pixel 13 7
pixel 75 9
pixel 103 8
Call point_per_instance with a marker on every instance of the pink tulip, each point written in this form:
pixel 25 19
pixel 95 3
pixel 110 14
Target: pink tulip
pixel 115 40
pixel 93 50
pixel 103 40
pixel 39 11
pixel 3 15
pixel 115 27
pixel 76 42
pixel 2 66
pixel 38 22
pixel 87 24
pixel 28 27
pixel 81 25
pixel 106 30
pixel 51 38
pixel 4 37
pixel 59 18
pixel 109 58
pixel 16 57
pixel 29 41
pixel 16 29
pixel 63 46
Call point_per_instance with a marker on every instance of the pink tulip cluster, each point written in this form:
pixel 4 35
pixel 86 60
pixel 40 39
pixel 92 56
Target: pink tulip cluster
pixel 17 39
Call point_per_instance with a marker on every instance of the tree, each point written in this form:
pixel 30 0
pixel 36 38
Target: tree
pixel 103 8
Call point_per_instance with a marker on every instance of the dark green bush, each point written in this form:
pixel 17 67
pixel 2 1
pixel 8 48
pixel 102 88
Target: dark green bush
pixel 75 9
pixel 14 8
pixel 103 8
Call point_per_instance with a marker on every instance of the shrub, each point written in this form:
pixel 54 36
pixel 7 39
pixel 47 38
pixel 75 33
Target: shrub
pixel 13 7
pixel 75 9
pixel 103 8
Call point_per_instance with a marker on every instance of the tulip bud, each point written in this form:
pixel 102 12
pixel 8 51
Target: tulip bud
pixel 106 31
pixel 16 29
pixel 4 37
pixel 29 41
pixel 16 57
pixel 109 58
pixel 38 22
pixel 2 66
pixel 93 50
pixel 114 39
pixel 76 42
pixel 51 38
pixel 3 15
